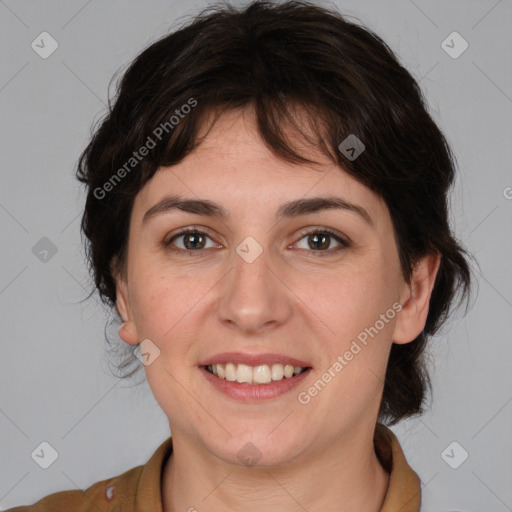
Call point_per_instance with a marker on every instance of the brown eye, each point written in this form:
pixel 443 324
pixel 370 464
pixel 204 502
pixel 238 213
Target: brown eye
pixel 192 240
pixel 320 240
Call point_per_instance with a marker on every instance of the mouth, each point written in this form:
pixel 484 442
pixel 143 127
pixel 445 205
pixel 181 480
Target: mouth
pixel 262 374
pixel 254 377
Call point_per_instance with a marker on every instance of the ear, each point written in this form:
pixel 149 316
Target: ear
pixel 415 299
pixel 128 330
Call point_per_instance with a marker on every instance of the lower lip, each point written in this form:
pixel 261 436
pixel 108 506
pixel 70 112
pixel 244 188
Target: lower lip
pixel 254 392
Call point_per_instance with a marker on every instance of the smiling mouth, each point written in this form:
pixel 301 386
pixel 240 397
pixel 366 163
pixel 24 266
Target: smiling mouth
pixel 255 375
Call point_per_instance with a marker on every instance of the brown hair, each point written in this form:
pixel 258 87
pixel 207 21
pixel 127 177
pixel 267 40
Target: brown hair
pixel 274 57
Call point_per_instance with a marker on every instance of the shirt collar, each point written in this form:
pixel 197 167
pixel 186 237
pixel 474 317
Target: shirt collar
pixel 403 491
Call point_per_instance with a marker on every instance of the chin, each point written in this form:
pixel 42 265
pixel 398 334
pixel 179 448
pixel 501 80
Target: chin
pixel 257 448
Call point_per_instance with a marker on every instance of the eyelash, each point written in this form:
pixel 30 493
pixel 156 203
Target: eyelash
pixel 344 243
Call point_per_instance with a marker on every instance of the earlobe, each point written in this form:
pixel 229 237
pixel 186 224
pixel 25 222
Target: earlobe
pixel 127 330
pixel 415 299
pixel 128 333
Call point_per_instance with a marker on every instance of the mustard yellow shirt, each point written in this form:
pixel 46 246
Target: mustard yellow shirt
pixel 139 489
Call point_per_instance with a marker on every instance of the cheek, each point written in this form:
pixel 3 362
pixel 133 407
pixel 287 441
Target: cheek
pixel 165 304
pixel 151 305
pixel 350 299
pixel 355 307
pixel 159 292
pixel 164 313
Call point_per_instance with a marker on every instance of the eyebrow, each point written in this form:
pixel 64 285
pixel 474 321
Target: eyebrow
pixel 287 210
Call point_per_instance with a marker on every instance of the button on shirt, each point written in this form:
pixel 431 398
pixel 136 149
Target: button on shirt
pixel 139 489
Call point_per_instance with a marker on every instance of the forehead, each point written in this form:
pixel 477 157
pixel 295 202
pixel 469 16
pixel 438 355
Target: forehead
pixel 234 166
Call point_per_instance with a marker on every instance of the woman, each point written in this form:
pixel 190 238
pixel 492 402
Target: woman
pixel 267 213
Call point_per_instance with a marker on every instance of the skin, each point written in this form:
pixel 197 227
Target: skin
pixel 290 300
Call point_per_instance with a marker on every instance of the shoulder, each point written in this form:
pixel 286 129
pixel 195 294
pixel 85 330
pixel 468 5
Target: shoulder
pixel 123 487
pixel 138 487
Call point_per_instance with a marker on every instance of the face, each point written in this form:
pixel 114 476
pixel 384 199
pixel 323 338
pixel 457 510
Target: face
pixel 258 288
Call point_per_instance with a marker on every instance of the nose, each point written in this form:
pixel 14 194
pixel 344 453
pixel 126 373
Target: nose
pixel 254 297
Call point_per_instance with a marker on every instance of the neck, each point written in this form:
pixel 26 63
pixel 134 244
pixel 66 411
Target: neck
pixel 345 477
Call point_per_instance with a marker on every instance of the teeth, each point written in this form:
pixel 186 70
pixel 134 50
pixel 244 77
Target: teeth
pixel 262 374
pixel 244 373
pixel 230 372
pixel 288 371
pixel 277 371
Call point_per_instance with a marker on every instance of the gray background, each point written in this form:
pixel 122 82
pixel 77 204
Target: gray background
pixel 56 382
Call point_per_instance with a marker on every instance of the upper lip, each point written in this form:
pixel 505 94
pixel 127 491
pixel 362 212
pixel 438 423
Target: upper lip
pixel 253 359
